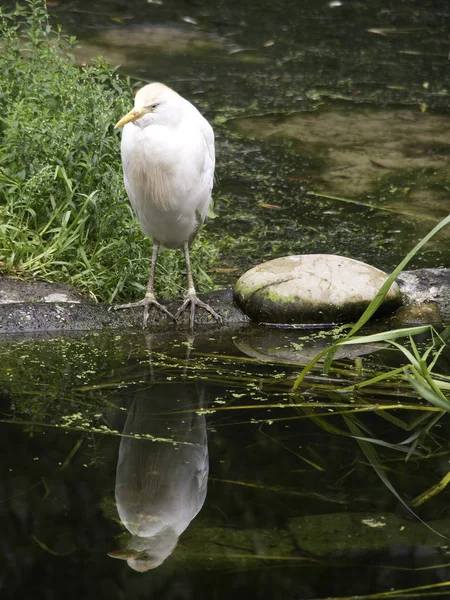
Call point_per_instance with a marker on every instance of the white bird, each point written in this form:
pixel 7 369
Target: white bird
pixel 168 160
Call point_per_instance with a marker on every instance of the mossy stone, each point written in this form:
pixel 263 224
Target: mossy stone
pixel 311 289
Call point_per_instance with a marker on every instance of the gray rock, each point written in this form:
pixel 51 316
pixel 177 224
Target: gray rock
pixel 311 288
pixel 413 315
pixel 13 291
pixel 35 315
pixel 427 285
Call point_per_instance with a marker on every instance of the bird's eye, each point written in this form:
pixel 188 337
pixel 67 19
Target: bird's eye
pixel 152 106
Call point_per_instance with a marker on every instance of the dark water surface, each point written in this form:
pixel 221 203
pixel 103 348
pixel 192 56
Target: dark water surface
pixel 330 117
pixel 190 459
pixel 107 442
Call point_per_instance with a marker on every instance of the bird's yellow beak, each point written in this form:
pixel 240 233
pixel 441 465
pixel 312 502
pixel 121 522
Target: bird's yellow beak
pixel 134 114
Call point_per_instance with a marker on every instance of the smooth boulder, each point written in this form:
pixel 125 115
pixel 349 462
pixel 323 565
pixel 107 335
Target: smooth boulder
pixel 311 289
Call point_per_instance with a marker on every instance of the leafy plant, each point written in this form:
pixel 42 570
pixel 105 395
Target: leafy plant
pixel 418 371
pixel 371 310
pixel 64 213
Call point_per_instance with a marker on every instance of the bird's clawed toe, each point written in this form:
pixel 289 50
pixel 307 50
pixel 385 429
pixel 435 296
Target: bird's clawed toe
pixel 194 301
pixel 148 301
pixel 160 307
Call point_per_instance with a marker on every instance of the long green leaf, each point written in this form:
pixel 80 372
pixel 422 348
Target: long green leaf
pixel 422 387
pixel 386 336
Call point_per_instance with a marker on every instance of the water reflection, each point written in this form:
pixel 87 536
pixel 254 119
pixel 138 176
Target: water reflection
pixel 162 470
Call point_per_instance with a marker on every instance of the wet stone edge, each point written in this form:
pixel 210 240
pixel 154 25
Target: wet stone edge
pixel 39 306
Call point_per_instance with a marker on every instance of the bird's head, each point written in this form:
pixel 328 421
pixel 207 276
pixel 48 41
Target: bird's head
pixel 154 103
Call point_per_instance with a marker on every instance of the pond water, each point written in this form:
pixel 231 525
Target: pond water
pixel 144 466
pixel 330 117
pixel 158 466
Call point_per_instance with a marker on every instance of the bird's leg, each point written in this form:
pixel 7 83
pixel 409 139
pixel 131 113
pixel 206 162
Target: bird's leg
pixel 149 298
pixel 191 296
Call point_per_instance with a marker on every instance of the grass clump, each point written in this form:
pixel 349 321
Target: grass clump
pixel 64 213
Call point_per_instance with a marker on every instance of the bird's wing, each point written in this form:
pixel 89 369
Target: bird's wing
pixel 208 166
pixel 208 134
pixel 207 179
pixel 210 157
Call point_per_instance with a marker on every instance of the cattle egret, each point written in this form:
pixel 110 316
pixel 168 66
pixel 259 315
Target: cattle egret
pixel 168 162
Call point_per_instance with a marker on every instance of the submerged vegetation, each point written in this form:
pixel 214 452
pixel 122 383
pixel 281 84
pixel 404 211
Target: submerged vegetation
pixel 368 403
pixel 64 213
pixel 294 483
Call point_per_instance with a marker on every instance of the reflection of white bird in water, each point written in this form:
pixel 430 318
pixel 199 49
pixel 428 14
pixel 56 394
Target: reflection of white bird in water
pixel 168 162
pixel 161 485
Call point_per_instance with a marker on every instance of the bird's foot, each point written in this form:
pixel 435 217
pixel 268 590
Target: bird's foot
pixel 194 301
pixel 148 300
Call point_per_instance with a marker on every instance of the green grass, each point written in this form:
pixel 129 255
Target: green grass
pixel 64 213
